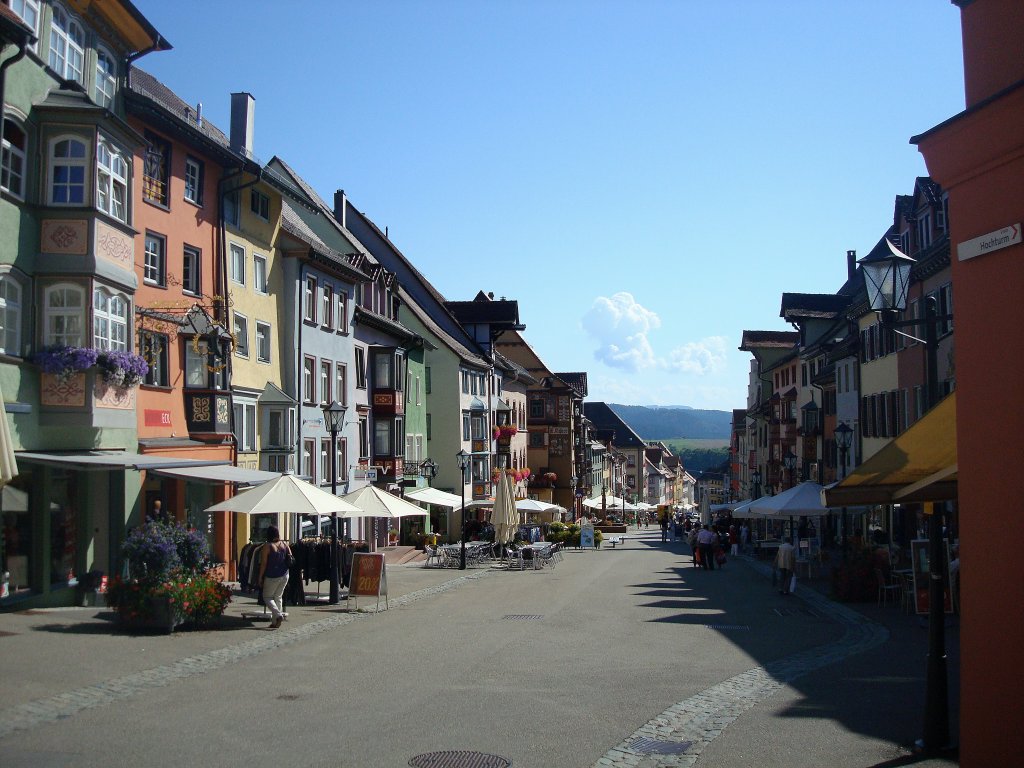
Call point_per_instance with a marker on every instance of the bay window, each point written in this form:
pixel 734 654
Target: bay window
pixel 68 160
pixel 111 181
pixel 12 159
pixel 109 320
pixel 63 315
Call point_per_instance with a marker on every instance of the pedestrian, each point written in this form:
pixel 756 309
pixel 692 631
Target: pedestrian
pixel 745 537
pixel 785 560
pixel 691 539
pixel 274 560
pixel 663 523
pixel 734 541
pixel 706 542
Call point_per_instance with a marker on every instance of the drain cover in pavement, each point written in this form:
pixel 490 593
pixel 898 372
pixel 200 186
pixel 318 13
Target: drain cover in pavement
pixel 455 759
pixel 654 747
pixel 523 617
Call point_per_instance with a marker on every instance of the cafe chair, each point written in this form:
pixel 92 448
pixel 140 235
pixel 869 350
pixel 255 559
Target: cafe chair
pixel 886 588
pixel 433 556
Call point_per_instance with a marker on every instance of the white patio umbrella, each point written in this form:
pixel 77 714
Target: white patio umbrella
pixel 533 505
pixel 610 502
pixel 802 499
pixel 287 495
pixel 505 516
pixel 371 501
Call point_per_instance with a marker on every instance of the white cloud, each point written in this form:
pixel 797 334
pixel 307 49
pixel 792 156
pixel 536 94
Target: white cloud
pixel 702 358
pixel 620 326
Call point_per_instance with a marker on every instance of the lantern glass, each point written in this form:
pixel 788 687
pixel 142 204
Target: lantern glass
pixel 886 278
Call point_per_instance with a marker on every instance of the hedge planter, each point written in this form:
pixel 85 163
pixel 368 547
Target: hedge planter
pixel 159 615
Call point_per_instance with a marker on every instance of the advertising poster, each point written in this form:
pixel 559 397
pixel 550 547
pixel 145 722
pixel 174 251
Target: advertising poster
pixel 587 537
pixel 369 577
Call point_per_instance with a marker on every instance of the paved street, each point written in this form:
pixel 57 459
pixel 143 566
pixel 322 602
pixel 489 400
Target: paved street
pixel 616 657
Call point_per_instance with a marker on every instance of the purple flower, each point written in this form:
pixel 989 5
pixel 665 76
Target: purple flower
pixel 122 369
pixel 63 361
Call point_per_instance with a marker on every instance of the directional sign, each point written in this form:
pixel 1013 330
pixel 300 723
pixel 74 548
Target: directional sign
pixel 993 241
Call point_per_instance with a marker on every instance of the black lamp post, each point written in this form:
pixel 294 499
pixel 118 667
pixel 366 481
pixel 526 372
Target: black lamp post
pixel 844 439
pixel 463 459
pixel 789 461
pixel 887 278
pixel 334 418
pixel 755 478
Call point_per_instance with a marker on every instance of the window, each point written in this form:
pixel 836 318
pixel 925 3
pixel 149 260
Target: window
pixel 111 181
pixel 342 459
pixel 382 434
pixel 327 302
pixel 244 412
pixel 194 180
pixel 12 167
pixel 325 381
pixel 537 409
pixel 67 45
pixel 67 171
pixel 279 427
pixel 28 11
pixel 237 263
pixel 466 431
pixel 63 315
pixel 944 301
pixel 308 446
pixel 426 380
pixel 364 440
pixel 478 426
pixel 240 329
pixel 383 367
pixel 191 278
pixel 308 380
pixel 154 270
pixel 262 342
pixel 153 347
pixel 204 369
pixel 325 460
pixel 309 300
pixel 259 273
pixel 342 312
pixel 341 383
pixel 924 230
pixel 231 209
pixel 360 368
pixel 429 431
pixel 259 204
pixel 10 315
pixel 106 77
pixel 109 320
pixel 156 169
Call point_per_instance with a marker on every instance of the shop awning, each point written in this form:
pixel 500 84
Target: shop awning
pixel 104 460
pixel 210 471
pixel 435 496
pixel 919 465
pixel 218 473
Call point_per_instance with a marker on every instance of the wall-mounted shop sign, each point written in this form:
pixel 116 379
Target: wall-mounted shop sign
pixel 993 241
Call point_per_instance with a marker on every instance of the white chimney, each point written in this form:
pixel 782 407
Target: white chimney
pixel 243 113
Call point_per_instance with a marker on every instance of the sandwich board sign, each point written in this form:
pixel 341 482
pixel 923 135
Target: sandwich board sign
pixel 369 577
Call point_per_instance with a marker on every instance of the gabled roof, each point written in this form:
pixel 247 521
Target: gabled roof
pixel 807 306
pixel 768 340
pixel 293 224
pixel 461 351
pixel 604 418
pixel 577 382
pixel 501 314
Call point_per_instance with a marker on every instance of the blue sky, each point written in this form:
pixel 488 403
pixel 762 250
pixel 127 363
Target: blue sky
pixel 645 177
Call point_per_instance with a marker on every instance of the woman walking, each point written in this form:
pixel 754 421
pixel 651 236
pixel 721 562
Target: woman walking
pixel 274 558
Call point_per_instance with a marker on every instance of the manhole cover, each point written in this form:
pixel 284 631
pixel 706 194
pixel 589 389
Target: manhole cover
pixel 456 759
pixel 649 746
pixel 287 696
pixel 523 617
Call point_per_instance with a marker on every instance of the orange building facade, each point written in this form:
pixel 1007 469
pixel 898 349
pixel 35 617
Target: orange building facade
pixel 978 157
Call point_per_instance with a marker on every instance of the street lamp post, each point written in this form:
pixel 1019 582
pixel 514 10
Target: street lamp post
pixel 887 278
pixel 463 459
pixel 844 439
pixel 755 478
pixel 334 418
pixel 789 461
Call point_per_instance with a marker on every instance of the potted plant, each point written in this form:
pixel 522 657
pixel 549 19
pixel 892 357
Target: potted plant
pixel 167 584
pixel 392 536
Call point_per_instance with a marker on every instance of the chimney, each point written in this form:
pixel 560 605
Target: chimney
pixel 340 206
pixel 851 264
pixel 199 115
pixel 243 112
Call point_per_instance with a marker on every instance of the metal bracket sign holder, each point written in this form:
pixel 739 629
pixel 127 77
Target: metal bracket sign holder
pixel 369 578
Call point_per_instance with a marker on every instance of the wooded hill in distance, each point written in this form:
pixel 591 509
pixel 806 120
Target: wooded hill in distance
pixel 666 422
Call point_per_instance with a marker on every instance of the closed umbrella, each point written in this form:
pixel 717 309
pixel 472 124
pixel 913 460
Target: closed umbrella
pixel 505 517
pixel 8 464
